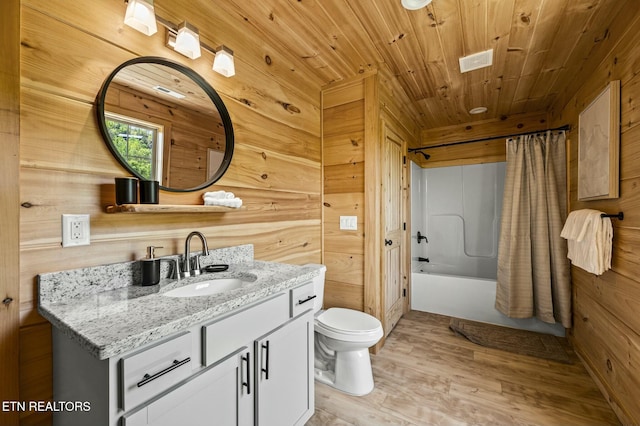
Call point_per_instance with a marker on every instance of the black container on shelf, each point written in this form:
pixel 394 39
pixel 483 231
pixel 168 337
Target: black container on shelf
pixel 126 190
pixel 149 191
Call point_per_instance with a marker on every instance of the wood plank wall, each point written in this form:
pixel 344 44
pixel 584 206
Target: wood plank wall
pixel 352 115
pixel 487 151
pixel 606 332
pixel 9 206
pixel 343 141
pixel 66 53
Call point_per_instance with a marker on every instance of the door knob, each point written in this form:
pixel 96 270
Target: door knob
pixel 388 242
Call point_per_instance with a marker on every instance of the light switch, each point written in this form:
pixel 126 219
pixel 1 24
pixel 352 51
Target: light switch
pixel 349 223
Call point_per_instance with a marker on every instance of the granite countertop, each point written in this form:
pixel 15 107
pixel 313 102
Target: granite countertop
pixel 109 318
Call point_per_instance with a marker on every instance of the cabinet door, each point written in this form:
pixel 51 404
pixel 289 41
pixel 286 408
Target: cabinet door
pixel 221 395
pixel 285 394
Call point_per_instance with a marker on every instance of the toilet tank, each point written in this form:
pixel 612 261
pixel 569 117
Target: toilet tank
pixel 318 285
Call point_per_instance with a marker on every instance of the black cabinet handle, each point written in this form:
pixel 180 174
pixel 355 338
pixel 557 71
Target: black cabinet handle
pixel 388 242
pixel 266 370
pixel 149 378
pixel 300 302
pixel 247 384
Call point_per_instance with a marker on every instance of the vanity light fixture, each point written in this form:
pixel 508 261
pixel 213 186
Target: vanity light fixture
pixel 170 40
pixel 188 41
pixel 185 39
pixel 415 4
pixel 141 16
pixel 223 62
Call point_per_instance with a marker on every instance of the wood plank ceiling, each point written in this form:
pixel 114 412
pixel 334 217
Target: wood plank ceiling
pixel 539 47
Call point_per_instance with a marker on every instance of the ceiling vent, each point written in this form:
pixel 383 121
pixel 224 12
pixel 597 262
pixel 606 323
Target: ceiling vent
pixel 476 61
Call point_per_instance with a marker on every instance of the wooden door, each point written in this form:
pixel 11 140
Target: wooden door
pixel 392 205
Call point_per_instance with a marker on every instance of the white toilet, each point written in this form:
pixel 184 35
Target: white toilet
pixel 342 341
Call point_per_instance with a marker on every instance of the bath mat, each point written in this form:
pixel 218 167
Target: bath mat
pixel 512 340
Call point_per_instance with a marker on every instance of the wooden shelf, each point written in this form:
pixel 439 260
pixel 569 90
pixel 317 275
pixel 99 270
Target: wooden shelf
pixel 168 208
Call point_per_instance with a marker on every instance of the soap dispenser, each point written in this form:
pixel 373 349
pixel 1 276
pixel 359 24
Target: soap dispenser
pixel 150 267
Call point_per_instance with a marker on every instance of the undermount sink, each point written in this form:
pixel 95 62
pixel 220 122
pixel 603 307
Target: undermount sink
pixel 206 288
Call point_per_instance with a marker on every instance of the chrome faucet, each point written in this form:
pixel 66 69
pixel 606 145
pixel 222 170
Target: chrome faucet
pixel 186 270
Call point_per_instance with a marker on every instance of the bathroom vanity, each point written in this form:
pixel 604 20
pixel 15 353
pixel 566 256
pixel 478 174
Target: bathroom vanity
pixel 243 356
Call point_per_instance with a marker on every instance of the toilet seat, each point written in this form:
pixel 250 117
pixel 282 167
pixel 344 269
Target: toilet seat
pixel 349 325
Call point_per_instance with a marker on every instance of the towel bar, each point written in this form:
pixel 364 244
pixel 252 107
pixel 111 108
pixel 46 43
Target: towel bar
pixel 619 215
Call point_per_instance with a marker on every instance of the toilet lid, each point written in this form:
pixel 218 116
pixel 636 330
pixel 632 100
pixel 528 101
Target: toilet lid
pixel 348 321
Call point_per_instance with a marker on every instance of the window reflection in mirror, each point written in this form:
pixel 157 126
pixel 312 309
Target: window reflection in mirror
pixel 164 122
pixel 139 143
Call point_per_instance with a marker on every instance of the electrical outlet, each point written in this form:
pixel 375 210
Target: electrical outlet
pixel 75 230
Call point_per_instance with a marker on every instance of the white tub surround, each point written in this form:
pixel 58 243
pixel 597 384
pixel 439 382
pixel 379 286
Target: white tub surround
pixel 458 209
pixel 469 298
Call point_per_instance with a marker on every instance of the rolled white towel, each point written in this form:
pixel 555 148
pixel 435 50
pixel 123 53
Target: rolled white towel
pixel 214 194
pixel 233 202
pixel 218 195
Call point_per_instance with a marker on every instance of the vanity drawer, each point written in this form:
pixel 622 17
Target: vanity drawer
pixel 148 372
pixel 226 335
pixel 302 299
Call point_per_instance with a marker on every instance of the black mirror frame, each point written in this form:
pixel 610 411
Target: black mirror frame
pixel 213 95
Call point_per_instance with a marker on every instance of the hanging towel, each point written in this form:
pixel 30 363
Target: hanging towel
pixel 589 239
pixel 221 198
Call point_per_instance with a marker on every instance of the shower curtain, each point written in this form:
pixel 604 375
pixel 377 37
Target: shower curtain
pixel 533 270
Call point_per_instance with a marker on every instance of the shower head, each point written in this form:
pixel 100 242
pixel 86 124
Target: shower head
pixel 418 151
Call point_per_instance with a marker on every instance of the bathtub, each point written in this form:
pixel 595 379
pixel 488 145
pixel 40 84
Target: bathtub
pixel 436 288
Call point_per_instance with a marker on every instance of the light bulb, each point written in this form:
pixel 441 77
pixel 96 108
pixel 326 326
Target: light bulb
pixel 223 62
pixel 188 41
pixel 141 16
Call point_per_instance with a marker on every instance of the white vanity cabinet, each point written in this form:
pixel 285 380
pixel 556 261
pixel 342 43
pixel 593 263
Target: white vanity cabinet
pixel 252 366
pixel 113 386
pixel 281 377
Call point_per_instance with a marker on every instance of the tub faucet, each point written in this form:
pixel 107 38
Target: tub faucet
pixel 422 237
pixel 186 270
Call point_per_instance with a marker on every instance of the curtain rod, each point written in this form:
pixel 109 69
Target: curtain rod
pixel 565 127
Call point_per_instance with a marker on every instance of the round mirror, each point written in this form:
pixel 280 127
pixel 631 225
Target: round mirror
pixel 162 121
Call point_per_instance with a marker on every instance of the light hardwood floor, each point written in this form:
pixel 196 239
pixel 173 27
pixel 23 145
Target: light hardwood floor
pixel 426 375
